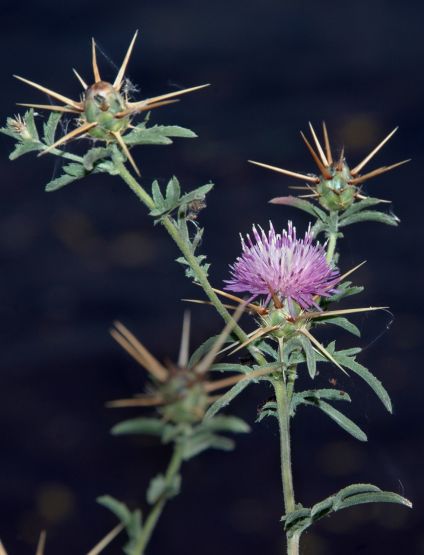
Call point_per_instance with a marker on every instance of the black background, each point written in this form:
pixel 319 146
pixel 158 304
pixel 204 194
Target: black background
pixel 75 260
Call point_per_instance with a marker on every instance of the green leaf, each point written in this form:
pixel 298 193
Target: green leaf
pixel 226 424
pixel 50 127
pixel 301 204
pixel 343 421
pixel 367 376
pixel 345 289
pixel 94 155
pixel 159 487
pixel 59 182
pixel 341 322
pixel 375 497
pixel 360 205
pixel 370 216
pixel 231 367
pixel 119 509
pixel 314 396
pixel 173 192
pixel 268 409
pixel 24 148
pixel 201 441
pixel 310 355
pixel 226 399
pixel 141 425
pixel 197 194
pixel 356 494
pixel 157 135
pixel 157 195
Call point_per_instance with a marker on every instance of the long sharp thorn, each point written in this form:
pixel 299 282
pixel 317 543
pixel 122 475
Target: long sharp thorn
pixel 154 366
pixel 324 171
pixel 120 76
pixel 382 200
pixel 185 341
pixel 57 96
pixel 314 195
pixel 205 363
pixel 256 308
pixel 145 108
pixel 359 167
pixel 376 172
pixel 2 549
pixel 171 94
pixel 80 79
pixel 286 172
pixel 64 109
pixel 327 143
pixel 106 540
pixel 328 313
pixel 198 301
pixel 226 382
pixel 96 72
pixel 339 165
pixel 321 349
pixel 126 150
pixel 300 187
pixel 41 543
pixel 345 275
pixel 74 133
pixel 254 337
pixel 128 348
pixel 319 147
pixel 145 401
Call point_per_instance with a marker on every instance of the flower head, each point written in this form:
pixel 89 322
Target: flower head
pixel 283 267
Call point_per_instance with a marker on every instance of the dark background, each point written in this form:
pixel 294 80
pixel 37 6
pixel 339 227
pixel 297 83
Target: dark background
pixel 75 260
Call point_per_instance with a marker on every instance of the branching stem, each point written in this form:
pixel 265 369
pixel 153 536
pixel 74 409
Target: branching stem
pixel 173 231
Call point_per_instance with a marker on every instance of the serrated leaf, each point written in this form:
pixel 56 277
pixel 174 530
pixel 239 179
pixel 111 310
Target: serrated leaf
pixel 340 322
pixel 157 195
pixel 301 204
pixel 59 182
pixel 24 148
pixel 370 216
pixel 313 396
pixel 140 425
pixel 94 155
pixel 310 355
pixel 360 205
pixel 226 424
pixel 343 421
pixel 345 289
pixel 119 509
pixel 157 135
pixel 31 126
pixel 196 194
pixel 173 192
pixel 50 127
pixel 367 376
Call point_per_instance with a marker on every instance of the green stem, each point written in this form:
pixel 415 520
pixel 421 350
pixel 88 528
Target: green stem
pixel 154 515
pixel 283 410
pixel 332 239
pixel 191 259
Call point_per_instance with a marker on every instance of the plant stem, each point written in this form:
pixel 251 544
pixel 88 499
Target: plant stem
pixel 283 410
pixel 191 259
pixel 332 238
pixel 154 515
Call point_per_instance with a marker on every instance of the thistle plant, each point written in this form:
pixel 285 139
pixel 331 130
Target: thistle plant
pixel 291 286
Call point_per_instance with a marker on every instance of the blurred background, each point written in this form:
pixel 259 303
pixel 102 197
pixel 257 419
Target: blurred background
pixel 75 260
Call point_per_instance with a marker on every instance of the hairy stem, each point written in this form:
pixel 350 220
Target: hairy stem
pixel 332 239
pixel 154 515
pixel 191 259
pixel 283 410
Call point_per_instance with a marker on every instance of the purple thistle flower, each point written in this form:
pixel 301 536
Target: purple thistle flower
pixel 293 269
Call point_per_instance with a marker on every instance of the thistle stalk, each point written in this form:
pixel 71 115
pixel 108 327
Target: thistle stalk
pixel 332 238
pixel 170 227
pixel 283 411
pixel 154 515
